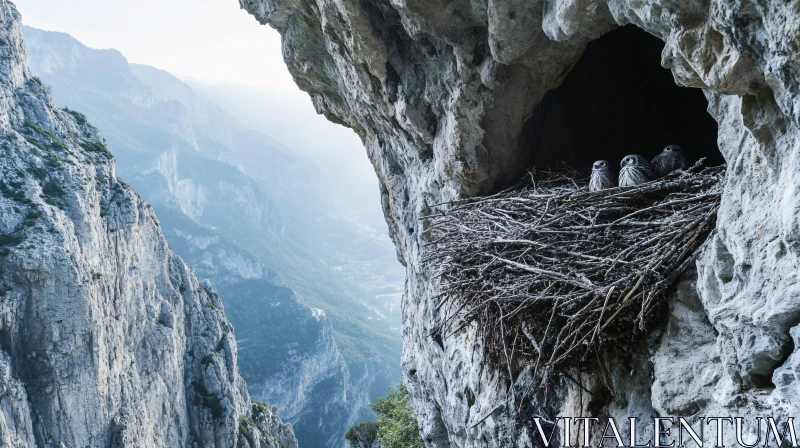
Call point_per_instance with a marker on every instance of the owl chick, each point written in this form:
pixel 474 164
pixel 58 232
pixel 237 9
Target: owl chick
pixel 601 176
pixel 634 170
pixel 670 159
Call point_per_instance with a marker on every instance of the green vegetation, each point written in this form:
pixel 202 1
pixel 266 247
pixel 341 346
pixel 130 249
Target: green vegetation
pixel 362 434
pixel 79 117
pixel 39 173
pixel 212 402
pixel 396 426
pixel 14 191
pixel 220 345
pixel 245 424
pixel 54 142
pixel 31 217
pixel 60 145
pixel 97 147
pixel 52 189
pixel 11 239
pixel 52 160
pixel 52 193
pixel 258 409
pixel 44 87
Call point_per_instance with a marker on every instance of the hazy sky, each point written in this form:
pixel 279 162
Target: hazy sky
pixel 212 40
pixel 216 42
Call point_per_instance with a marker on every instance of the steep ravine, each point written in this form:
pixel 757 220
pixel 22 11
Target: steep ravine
pixel 441 93
pixel 227 199
pixel 107 337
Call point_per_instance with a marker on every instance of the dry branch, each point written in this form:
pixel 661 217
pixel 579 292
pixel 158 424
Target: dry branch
pixel 551 271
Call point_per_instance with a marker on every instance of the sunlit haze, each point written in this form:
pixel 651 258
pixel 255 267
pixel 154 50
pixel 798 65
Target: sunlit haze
pixel 211 40
pixel 216 43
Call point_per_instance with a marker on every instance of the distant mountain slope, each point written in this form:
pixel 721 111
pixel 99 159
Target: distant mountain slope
pixel 289 117
pixel 238 206
pixel 107 338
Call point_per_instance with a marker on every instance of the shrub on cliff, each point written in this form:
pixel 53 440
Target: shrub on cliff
pixel 396 426
pixel 397 423
pixel 362 434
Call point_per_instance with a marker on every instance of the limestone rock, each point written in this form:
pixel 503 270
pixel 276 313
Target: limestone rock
pixel 439 92
pixel 106 337
pixel 189 159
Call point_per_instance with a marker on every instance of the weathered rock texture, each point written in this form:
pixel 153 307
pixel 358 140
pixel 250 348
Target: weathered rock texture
pixel 440 92
pixel 106 337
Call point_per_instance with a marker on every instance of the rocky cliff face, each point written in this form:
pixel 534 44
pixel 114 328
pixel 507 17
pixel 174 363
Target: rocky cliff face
pixel 288 353
pixel 107 337
pixel 227 199
pixel 441 91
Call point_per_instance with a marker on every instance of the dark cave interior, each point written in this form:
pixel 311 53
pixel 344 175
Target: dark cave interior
pixel 619 100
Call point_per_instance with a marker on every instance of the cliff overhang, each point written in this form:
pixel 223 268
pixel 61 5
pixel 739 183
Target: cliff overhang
pixel 451 99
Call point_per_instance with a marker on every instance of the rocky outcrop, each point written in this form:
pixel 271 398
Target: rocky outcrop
pixel 441 91
pixel 228 201
pixel 107 337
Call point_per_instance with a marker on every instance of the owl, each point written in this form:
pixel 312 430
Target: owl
pixel 670 159
pixel 602 177
pixel 634 170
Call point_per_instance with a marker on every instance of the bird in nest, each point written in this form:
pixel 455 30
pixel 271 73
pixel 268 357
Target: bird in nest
pixel 602 177
pixel 634 170
pixel 670 159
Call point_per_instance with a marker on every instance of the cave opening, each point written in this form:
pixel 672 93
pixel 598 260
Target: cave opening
pixel 619 100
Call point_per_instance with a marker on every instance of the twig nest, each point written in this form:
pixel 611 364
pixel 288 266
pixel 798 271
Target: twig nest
pixel 550 272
